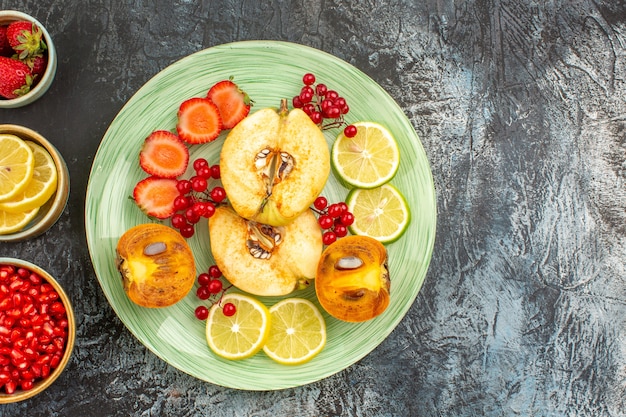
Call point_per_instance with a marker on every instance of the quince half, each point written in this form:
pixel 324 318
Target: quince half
pixel 274 164
pixel 265 260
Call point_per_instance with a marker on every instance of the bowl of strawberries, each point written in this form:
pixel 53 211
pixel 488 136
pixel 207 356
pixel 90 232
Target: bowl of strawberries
pixel 28 60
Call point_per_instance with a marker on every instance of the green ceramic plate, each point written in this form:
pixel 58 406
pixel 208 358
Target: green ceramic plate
pixel 268 71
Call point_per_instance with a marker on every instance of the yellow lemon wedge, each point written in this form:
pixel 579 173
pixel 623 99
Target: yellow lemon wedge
pixel 241 335
pixel 369 159
pixel 14 222
pixel 17 164
pixel 40 188
pixel 298 332
pixel 381 213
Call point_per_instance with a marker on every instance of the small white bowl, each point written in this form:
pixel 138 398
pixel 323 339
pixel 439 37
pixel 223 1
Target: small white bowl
pixel 8 16
pixel 50 212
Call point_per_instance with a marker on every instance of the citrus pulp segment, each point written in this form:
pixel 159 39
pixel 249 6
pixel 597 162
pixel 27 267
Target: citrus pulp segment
pixel 298 332
pixel 14 222
pixel 381 213
pixel 16 165
pixel 241 335
pixel 367 160
pixel 41 186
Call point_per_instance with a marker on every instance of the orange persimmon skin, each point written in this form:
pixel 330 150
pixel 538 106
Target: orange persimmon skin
pixel 156 264
pixel 353 294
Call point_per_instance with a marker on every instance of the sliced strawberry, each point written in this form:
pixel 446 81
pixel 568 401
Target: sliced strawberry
pixel 199 121
pixel 233 103
pixel 164 155
pixel 155 196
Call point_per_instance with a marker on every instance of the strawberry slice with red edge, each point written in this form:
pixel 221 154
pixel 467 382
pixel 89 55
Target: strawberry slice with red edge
pixel 199 121
pixel 232 102
pixel 164 155
pixel 155 196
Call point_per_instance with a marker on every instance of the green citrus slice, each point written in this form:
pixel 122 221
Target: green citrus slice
pixel 369 159
pixel 381 213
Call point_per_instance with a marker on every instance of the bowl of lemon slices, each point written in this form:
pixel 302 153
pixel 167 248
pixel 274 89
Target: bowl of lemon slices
pixel 35 183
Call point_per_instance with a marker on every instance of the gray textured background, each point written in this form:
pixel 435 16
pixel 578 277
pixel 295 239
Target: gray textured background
pixel 521 107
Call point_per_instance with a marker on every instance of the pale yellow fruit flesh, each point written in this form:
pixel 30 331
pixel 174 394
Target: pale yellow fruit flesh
pixel 293 262
pixel 281 200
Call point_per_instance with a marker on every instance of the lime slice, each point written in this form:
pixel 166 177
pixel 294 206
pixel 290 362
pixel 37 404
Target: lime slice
pixel 241 335
pixel 298 332
pixel 16 165
pixel 367 160
pixel 41 186
pixel 381 213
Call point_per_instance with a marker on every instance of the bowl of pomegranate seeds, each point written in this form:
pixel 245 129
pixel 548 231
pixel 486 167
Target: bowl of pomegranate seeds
pixel 28 60
pixel 37 330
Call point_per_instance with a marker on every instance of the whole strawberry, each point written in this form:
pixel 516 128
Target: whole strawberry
pixel 15 78
pixel 26 39
pixel 5 48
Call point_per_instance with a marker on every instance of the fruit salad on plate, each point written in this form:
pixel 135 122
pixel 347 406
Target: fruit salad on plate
pixel 271 230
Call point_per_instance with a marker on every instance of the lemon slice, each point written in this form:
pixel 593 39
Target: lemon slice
pixel 16 165
pixel 241 335
pixel 367 160
pixel 381 213
pixel 41 186
pixel 14 222
pixel 298 332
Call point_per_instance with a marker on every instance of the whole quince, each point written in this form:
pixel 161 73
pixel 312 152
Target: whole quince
pixel 274 164
pixel 262 259
pixel 156 264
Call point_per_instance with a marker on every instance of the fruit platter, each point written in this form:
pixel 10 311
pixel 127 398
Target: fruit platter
pixel 272 75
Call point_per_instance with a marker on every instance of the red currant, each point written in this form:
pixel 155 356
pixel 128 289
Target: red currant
pixel 215 286
pixel 332 94
pixel 316 117
pixel 215 172
pixel 210 210
pixel 187 231
pixel 229 309
pixel 321 89
pixel 204 172
pixel 297 103
pixel 340 230
pixel 201 312
pixel 308 79
pixel 218 194
pixel 178 221
pixel 320 203
pixel 181 203
pixel 334 210
pixel 350 131
pixel 214 271
pixel 325 221
pixel 203 292
pixel 183 186
pixel 192 216
pixel 204 279
pixel 199 163
pixel 329 237
pixel 346 218
pixel 198 183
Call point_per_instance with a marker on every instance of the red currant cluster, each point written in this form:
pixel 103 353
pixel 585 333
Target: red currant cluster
pixel 210 285
pixel 334 219
pixel 194 201
pixel 325 107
